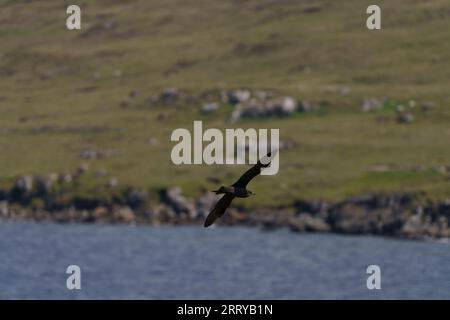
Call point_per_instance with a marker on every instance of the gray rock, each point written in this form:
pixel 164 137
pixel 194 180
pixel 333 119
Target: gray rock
pixel 133 94
pixel 404 117
pixel 136 199
pixel 169 95
pixel 88 154
pixel 352 218
pixel 308 106
pixel 44 185
pixel 251 110
pixel 236 115
pixel 307 222
pixel 117 73
pixel 175 199
pixel 205 203
pixel 237 96
pixel 4 209
pixel 98 154
pixel 371 104
pixel 113 182
pixel 65 178
pixel 283 106
pixel 270 222
pixel 153 141
pixel 125 215
pixel 164 213
pixel 100 213
pixel 342 90
pixel 428 106
pixel 24 184
pixel 262 95
pixel 82 168
pixel 209 108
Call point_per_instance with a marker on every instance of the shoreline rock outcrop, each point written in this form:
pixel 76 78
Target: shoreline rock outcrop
pixel 52 198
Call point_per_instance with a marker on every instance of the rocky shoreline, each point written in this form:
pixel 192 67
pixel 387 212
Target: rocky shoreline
pixel 53 199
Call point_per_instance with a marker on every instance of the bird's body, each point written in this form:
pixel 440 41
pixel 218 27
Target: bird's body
pixel 238 190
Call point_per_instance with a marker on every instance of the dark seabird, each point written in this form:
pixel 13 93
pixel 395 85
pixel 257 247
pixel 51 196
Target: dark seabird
pixel 238 189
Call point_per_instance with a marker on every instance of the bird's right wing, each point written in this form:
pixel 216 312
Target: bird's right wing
pixel 219 209
pixel 253 171
pixel 248 176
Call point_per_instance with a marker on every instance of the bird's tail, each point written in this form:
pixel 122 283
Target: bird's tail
pixel 264 162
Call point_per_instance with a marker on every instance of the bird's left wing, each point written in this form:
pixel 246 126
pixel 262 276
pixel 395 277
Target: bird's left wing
pixel 219 209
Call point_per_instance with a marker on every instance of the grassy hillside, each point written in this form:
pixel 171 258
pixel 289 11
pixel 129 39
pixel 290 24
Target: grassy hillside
pixel 62 92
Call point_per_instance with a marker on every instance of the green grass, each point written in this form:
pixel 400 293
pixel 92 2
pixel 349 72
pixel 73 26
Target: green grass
pixel 65 80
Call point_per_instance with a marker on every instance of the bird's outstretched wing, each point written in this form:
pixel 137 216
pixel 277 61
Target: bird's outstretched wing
pixel 219 209
pixel 252 172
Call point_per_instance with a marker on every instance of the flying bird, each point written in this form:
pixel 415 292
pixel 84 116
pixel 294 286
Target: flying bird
pixel 238 189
